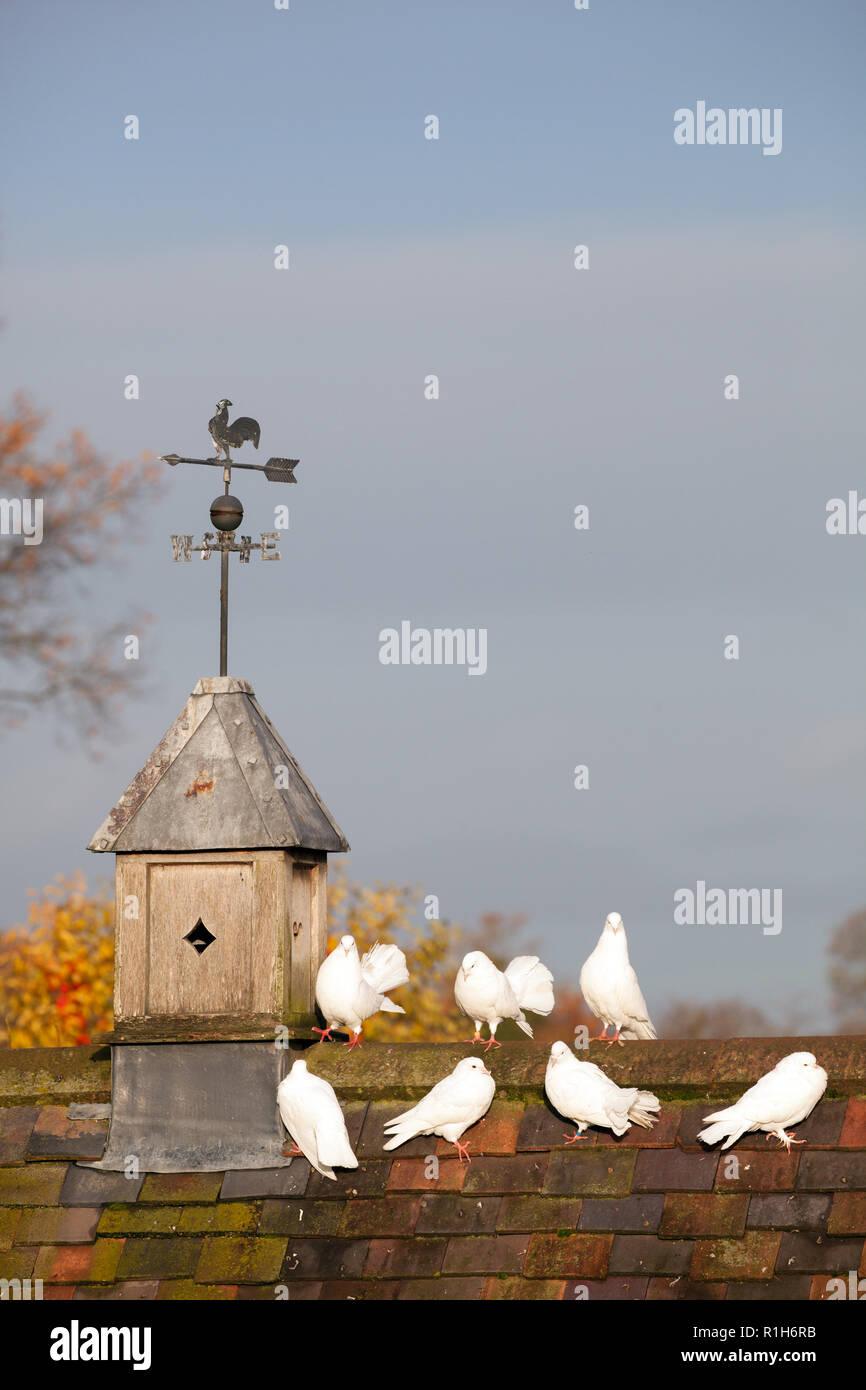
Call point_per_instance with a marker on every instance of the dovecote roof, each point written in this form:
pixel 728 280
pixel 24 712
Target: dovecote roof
pixel 221 778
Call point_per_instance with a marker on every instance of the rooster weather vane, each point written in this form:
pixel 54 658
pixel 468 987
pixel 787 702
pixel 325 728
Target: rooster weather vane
pixel 226 511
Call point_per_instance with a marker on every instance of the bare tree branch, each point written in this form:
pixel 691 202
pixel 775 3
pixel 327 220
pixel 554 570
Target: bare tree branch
pixel 84 504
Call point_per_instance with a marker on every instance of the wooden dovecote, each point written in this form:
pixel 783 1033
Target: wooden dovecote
pixel 221 879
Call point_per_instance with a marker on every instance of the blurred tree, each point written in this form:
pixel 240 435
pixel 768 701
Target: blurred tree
pixel 57 973
pixel 88 507
pixel 570 1013
pixel 500 936
pixel 725 1018
pixel 847 973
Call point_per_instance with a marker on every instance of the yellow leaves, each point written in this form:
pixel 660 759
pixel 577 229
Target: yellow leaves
pixel 18 432
pixel 388 912
pixel 57 973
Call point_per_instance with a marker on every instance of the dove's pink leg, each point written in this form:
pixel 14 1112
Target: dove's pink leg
pixel 355 1041
pixel 615 1038
pixel 477 1038
pixel 492 1043
pixel 574 1138
pixel 602 1034
pixel 789 1140
pixel 323 1033
pixel 461 1150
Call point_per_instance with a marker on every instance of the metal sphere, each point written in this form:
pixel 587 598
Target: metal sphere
pixel 226 513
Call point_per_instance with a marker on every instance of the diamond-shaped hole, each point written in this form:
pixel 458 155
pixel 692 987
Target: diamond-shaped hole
pixel 200 938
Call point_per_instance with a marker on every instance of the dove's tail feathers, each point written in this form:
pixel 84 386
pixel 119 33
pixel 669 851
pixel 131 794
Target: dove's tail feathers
pixel 400 1121
pixel 620 1110
pixel 335 1152
pixel 388 1006
pixel 313 1156
pixel 401 1128
pixel 521 1023
pixel 639 1028
pixel 399 1135
pixel 395 1141
pixel 730 1113
pixel 713 1133
pixel 384 967
pixel 331 1141
pixel 532 983
pixel 644 1111
pixel 729 1125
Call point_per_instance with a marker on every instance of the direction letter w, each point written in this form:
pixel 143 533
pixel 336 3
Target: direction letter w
pixel 181 545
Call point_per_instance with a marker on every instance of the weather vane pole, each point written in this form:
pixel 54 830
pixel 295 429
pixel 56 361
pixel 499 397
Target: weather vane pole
pixel 226 512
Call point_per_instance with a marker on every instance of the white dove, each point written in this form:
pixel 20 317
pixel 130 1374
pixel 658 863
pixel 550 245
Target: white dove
pixel 311 1113
pixel 488 995
pixel 581 1092
pixel 784 1096
pixel 609 985
pixel 349 990
pixel 455 1103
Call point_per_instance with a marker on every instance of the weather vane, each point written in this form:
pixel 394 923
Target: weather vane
pixel 226 512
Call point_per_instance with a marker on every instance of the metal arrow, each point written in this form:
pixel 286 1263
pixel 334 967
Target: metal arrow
pixel 275 470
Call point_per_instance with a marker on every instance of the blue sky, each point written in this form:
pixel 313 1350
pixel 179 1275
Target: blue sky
pixel 410 256
pixel 308 119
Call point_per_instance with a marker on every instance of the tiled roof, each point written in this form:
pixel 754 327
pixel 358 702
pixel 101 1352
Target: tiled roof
pixel 653 1215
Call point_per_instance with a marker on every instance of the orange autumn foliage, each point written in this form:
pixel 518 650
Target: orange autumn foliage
pixel 57 972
